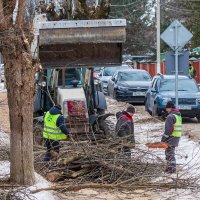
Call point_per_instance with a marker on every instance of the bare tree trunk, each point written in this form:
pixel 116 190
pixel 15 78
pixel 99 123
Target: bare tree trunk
pixel 20 87
pixel 15 40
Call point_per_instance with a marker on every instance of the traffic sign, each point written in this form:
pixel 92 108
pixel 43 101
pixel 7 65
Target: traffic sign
pixel 176 36
pixel 184 35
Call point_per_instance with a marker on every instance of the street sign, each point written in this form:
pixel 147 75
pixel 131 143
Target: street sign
pixel 176 36
pixel 182 63
pixel 184 35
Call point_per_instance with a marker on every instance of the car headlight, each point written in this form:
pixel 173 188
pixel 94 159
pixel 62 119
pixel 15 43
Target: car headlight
pixel 166 99
pixel 122 88
pixel 198 101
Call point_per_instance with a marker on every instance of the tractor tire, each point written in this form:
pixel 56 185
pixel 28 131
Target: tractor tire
pixel 155 110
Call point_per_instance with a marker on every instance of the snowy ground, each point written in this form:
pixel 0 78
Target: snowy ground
pixel 2 88
pixel 146 130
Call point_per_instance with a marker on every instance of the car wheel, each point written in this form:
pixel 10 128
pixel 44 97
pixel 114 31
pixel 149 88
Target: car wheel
pixel 114 95
pixel 146 106
pixel 198 119
pixel 108 93
pixel 155 110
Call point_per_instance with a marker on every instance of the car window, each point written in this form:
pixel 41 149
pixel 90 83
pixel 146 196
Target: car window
pixel 134 76
pixel 183 85
pixel 109 71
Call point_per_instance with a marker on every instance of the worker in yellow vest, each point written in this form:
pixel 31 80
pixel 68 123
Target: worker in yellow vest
pixel 172 135
pixel 54 131
pixel 192 71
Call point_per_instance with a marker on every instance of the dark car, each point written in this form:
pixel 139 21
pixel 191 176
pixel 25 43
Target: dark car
pixel 106 74
pixel 129 85
pixel 162 90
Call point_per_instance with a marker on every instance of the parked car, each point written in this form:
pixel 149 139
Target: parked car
pixel 96 72
pixel 2 77
pixel 162 90
pixel 129 85
pixel 106 73
pixel 97 81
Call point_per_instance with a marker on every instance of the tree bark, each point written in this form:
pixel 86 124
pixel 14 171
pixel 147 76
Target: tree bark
pixel 19 74
pixel 15 40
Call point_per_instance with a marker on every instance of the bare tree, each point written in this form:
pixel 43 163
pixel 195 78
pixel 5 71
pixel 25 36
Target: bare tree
pixel 76 9
pixel 15 40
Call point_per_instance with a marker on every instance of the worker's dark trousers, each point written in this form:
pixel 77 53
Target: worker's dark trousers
pixel 51 145
pixel 126 151
pixel 171 160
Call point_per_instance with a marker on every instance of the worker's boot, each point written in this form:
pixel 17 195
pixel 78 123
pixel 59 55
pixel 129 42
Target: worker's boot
pixel 127 152
pixel 54 155
pixel 47 157
pixel 170 169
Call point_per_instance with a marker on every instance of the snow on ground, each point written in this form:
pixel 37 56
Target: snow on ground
pixel 40 183
pixel 146 130
pixel 4 169
pixel 43 195
pixel 5 172
pixel 4 146
pixel 2 88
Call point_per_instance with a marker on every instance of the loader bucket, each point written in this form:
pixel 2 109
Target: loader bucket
pixel 81 43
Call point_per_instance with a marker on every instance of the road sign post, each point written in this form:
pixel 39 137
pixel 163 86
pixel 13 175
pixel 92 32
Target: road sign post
pixel 176 36
pixel 176 62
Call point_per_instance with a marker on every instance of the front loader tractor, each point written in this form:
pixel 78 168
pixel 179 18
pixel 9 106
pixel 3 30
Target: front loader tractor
pixel 68 52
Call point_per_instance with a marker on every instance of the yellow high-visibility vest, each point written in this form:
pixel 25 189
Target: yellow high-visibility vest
pixel 51 131
pixel 177 126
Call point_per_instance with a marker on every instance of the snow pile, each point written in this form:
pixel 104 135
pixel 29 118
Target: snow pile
pixel 4 169
pixel 43 195
pixel 2 88
pixel 4 146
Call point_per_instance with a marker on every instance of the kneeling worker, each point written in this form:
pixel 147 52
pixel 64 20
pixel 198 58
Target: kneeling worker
pixel 54 131
pixel 172 135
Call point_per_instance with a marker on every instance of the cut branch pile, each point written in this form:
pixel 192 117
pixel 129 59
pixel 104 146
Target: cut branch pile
pixel 103 165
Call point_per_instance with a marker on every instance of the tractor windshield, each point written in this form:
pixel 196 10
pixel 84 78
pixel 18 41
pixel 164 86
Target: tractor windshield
pixel 70 75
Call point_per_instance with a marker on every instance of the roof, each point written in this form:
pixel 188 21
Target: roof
pixel 132 70
pixel 173 76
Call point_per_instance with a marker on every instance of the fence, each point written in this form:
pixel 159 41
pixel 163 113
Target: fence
pixel 152 69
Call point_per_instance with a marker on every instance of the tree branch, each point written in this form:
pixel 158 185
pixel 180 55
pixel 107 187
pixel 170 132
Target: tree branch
pixel 20 13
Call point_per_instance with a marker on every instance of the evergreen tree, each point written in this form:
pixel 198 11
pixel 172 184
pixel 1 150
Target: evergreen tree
pixel 140 27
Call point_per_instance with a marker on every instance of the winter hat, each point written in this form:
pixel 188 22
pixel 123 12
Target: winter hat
pixel 130 109
pixel 58 107
pixel 170 104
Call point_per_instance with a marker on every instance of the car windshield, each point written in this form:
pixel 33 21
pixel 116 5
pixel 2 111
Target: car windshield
pixel 183 85
pixel 97 69
pixel 109 71
pixel 134 76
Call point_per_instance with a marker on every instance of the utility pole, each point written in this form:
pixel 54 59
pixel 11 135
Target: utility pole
pixel 158 35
